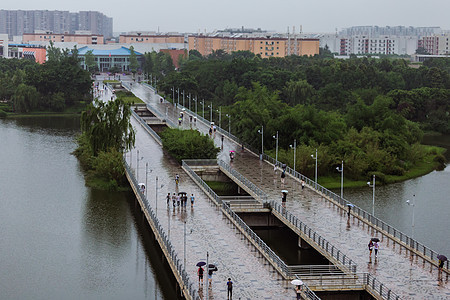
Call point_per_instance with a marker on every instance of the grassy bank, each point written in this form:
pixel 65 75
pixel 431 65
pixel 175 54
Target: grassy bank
pixel 427 165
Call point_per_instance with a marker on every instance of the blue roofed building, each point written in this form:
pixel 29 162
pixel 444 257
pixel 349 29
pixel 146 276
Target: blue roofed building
pixel 109 58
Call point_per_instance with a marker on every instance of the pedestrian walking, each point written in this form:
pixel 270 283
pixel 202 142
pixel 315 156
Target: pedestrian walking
pixel 283 175
pixel 222 137
pixel 376 246
pixel 192 200
pixel 303 184
pixel 229 289
pixel 370 248
pixel 178 200
pixel 298 292
pixel 210 273
pixel 174 200
pixel 200 274
pixel 168 199
pixel 283 198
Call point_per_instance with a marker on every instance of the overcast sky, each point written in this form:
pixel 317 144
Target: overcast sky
pixel 195 15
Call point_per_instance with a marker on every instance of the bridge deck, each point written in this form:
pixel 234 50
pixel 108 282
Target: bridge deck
pixel 207 230
pixel 409 278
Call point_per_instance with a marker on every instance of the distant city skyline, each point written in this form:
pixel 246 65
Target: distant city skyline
pixel 201 15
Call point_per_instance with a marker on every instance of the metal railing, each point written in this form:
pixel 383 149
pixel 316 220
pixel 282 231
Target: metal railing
pixel 242 179
pixel 253 237
pixel 146 127
pixel 363 281
pixel 200 182
pixel 219 129
pixel 302 270
pixel 315 237
pixel 369 218
pixel 148 86
pixel 188 283
pixel 359 212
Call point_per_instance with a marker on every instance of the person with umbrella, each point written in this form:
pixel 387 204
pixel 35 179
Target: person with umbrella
pixel 200 271
pixel 349 205
pixel 298 289
pixel 211 268
pixel 376 245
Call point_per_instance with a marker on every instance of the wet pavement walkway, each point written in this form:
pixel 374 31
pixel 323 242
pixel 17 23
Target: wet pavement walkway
pixel 409 278
pixel 207 230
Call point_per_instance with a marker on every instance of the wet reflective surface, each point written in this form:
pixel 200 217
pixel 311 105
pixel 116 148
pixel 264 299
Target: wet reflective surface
pixel 60 239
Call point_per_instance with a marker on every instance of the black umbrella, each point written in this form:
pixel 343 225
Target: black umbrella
pixel 212 267
pixel 183 193
pixel 376 240
pixel 200 264
pixel 442 257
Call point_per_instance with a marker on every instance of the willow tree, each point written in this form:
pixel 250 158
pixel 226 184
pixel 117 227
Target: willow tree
pixel 106 126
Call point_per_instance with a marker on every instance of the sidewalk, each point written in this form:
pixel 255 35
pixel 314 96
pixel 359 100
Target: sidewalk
pixel 206 230
pixel 410 279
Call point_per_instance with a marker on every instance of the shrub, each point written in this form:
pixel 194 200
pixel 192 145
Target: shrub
pixel 188 144
pixel 2 114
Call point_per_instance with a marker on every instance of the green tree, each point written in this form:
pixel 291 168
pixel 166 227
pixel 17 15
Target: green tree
pixel 107 126
pixel 89 61
pixel 134 64
pixel 25 98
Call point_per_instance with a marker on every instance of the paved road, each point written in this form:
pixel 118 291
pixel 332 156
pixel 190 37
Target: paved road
pixel 409 278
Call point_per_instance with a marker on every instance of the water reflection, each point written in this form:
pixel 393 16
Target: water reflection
pixel 60 239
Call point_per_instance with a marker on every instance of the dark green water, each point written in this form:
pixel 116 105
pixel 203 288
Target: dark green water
pixel 60 239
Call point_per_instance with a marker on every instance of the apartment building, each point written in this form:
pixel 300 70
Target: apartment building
pixel 85 39
pixel 138 37
pixel 265 46
pixel 436 44
pixel 18 22
pixel 388 45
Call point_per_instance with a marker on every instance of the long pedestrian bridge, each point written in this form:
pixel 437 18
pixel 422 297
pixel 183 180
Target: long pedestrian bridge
pixel 218 229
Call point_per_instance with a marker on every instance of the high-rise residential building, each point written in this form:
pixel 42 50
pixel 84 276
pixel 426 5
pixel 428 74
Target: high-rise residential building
pixel 375 31
pixel 18 22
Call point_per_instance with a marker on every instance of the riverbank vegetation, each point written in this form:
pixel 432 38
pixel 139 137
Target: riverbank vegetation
pixel 106 134
pixel 58 85
pixel 188 144
pixel 370 113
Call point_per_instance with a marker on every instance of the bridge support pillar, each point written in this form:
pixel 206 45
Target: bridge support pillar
pixel 302 244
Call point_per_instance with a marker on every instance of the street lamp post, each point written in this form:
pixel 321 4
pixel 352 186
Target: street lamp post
pixel 229 123
pixel 262 141
pixel 210 106
pixel 220 116
pixel 341 170
pixel 195 99
pixel 373 194
pixel 276 149
pixel 413 204
pixel 178 92
pixel 184 243
pixel 137 168
pixel 156 197
pixel 190 101
pixel 183 97
pixel 203 108
pixel 295 146
pixel 315 173
pixel 173 95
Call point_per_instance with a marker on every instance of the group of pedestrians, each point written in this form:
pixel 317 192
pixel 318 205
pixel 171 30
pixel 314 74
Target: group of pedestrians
pixel 211 271
pixel 179 200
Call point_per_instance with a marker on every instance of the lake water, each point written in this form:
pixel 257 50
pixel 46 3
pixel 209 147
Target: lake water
pixel 60 239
